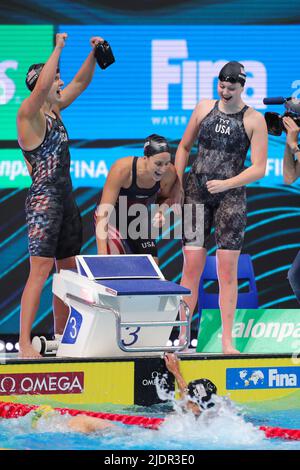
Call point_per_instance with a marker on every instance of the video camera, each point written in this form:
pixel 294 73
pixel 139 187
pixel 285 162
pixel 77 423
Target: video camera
pixel 274 120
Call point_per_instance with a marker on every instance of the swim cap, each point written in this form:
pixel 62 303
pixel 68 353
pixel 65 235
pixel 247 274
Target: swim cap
pixel 233 72
pixel 155 144
pixel 38 413
pixel 32 75
pixel 200 391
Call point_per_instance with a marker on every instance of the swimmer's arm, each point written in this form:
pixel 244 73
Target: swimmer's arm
pixel 169 184
pixel 181 159
pixel 82 79
pixel 31 106
pixel 29 167
pixel 116 178
pixel 186 143
pixel 172 364
pixel 259 150
pixel 181 383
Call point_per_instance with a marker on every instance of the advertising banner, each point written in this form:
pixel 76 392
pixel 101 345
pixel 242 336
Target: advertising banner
pixel 254 331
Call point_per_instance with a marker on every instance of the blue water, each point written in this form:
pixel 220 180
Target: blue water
pixel 230 428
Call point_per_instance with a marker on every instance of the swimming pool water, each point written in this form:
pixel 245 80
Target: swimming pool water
pixel 232 428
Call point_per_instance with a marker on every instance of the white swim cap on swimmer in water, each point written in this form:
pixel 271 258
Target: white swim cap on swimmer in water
pixel 200 391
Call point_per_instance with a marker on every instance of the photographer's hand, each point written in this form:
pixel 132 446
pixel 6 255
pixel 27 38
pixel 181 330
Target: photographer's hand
pixel 292 132
pixel 291 166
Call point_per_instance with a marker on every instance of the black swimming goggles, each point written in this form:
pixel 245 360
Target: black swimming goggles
pixel 232 79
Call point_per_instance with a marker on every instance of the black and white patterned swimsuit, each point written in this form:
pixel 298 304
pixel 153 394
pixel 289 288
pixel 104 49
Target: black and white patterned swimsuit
pixel 222 149
pixel 52 216
pixel 131 196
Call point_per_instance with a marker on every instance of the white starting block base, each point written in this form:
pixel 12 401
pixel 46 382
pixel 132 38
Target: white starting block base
pixel 118 305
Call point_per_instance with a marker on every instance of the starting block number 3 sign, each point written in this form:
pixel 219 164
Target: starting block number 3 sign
pixel 73 327
pixel 132 336
pixel 74 324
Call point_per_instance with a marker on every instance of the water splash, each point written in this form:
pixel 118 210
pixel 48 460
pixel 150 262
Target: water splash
pixel 225 426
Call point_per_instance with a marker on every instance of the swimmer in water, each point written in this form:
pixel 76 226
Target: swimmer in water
pixel 197 394
pixel 80 423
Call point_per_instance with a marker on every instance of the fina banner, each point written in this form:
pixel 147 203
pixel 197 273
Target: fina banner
pixel 162 72
pixel 254 331
pixel 89 167
pixel 159 75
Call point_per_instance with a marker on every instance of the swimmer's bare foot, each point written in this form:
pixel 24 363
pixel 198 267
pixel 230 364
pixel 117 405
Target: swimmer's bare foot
pixel 28 352
pixel 229 349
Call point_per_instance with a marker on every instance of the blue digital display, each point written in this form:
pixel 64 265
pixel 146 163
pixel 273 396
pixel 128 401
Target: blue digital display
pixel 161 72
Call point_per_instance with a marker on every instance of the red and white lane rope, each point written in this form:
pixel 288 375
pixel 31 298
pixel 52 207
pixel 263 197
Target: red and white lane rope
pixel 16 410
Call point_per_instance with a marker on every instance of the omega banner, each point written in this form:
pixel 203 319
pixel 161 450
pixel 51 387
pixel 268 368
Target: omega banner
pixel 42 383
pixel 254 331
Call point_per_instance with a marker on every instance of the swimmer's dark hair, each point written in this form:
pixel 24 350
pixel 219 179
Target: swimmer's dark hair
pixel 155 144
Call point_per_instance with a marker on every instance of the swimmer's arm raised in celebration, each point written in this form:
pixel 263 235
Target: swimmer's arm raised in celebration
pixel 259 146
pixel 83 77
pixel 291 166
pixel 117 177
pixel 30 118
pixel 172 364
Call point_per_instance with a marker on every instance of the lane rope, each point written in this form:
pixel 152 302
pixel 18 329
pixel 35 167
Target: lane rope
pixel 16 410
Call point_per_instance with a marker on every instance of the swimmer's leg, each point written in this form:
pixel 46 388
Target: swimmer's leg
pixel 194 262
pixel 40 268
pixel 230 223
pixel 227 262
pixel 61 310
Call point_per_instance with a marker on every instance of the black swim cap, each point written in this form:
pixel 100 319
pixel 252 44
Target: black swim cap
pixel 200 391
pixel 155 144
pixel 33 74
pixel 233 72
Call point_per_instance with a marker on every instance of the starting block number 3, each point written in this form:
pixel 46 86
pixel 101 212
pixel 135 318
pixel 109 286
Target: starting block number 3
pixel 74 324
pixel 132 336
pixel 72 328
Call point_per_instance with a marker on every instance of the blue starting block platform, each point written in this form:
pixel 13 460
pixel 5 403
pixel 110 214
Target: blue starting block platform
pixel 119 304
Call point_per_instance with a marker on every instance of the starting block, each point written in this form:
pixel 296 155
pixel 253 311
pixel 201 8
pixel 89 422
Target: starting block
pixel 119 304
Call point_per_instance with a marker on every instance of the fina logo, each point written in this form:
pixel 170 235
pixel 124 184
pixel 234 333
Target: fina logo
pixel 275 378
pixel 256 377
pixel 196 78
